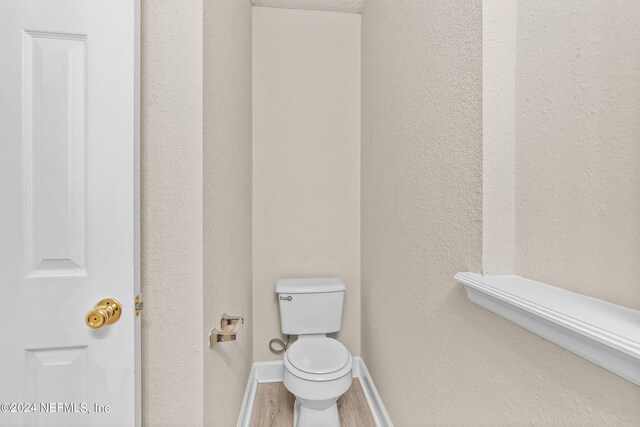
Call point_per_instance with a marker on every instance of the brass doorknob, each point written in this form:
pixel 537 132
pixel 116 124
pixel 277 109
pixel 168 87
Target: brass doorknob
pixel 105 312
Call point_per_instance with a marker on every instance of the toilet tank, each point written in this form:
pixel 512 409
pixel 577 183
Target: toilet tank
pixel 310 306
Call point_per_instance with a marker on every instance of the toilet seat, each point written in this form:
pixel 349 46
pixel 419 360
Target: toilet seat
pixel 318 359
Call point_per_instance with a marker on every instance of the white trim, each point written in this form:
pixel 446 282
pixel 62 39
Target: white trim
pixel 343 6
pixel 379 412
pixel 249 397
pixel 604 333
pixel 137 322
pixel 269 372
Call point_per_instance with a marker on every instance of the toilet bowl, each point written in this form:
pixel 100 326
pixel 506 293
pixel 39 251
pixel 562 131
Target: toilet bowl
pixel 317 371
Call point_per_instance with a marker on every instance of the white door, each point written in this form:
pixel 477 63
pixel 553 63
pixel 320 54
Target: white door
pixel 68 212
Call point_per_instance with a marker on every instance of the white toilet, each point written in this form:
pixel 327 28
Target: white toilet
pixel 317 369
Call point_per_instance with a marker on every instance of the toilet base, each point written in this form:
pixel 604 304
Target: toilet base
pixel 304 416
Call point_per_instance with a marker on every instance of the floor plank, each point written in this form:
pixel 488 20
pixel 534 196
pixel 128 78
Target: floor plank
pixel 353 408
pixel 273 407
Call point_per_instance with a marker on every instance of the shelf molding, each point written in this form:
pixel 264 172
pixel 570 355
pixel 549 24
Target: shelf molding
pixel 603 333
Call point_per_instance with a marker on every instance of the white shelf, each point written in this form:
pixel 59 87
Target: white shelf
pixel 604 333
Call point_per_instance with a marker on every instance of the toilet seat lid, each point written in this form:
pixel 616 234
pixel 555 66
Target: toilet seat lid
pixel 318 355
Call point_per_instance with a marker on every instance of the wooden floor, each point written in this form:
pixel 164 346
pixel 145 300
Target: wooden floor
pixel 273 407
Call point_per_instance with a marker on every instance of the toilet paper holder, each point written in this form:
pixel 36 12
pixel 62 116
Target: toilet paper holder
pixel 229 326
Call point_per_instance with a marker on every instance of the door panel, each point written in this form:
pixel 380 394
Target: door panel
pixel 56 372
pixel 68 210
pixel 54 105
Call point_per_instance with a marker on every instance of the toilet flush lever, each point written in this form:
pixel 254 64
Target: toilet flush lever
pixel 287 298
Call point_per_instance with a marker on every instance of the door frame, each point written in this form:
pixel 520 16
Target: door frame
pixel 137 202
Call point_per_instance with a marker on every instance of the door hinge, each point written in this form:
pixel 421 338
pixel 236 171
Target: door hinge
pixel 139 304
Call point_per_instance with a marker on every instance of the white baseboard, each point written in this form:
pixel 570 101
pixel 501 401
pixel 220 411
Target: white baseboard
pixel 269 372
pixel 380 415
pixel 249 397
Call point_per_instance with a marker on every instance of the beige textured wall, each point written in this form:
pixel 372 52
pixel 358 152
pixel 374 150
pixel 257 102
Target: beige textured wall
pixel 171 211
pixel 306 174
pixel 227 203
pixel 448 361
pixel 578 146
pixel 499 28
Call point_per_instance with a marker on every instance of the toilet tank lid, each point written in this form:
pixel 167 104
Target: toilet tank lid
pixel 309 285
